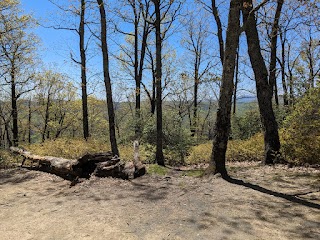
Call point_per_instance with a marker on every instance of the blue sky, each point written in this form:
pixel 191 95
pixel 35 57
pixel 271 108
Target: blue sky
pixel 54 43
pixel 57 44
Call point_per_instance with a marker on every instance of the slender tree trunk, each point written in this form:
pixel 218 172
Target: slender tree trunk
pixel 46 116
pixel 107 80
pixel 310 59
pixel 1 133
pixel 136 73
pixel 222 124
pixel 14 109
pixel 264 87
pixel 85 120
pixel 138 65
pixel 219 27
pixel 195 97
pixel 236 84
pixel 159 147
pixel 273 56
pixel 7 132
pixel 153 98
pixel 154 80
pixel 283 73
pixel 276 96
pixel 29 120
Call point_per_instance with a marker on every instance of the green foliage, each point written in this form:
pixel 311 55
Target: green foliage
pixel 7 159
pixel 251 149
pixel 155 169
pixel 301 130
pixel 177 139
pixel 68 148
pixel 200 153
pixel 246 125
pixel 75 148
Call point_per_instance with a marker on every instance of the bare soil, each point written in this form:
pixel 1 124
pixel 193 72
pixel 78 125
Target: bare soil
pixel 270 203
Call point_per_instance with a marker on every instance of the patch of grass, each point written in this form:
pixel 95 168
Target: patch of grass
pixel 155 169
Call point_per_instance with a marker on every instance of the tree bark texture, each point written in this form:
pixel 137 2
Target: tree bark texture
pixel 219 27
pixel 107 80
pixel 14 108
pixel 136 72
pixel 283 73
pixel 264 87
pixel 273 56
pixel 46 115
pixel 222 124
pixel 159 146
pixel 29 120
pixel 236 81
pixel 85 120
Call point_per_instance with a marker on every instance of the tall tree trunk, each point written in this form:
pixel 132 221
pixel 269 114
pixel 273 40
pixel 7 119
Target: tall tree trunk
pixel 85 120
pixel 273 56
pixel 138 64
pixel 107 80
pixel 264 87
pixel 283 73
pixel 153 96
pixel 7 133
pixel 219 27
pixel 29 121
pixel 46 116
pixel 236 80
pixel 195 97
pixel 1 133
pixel 14 108
pixel 222 124
pixel 159 147
pixel 136 73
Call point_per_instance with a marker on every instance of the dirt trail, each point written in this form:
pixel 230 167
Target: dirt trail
pixel 36 205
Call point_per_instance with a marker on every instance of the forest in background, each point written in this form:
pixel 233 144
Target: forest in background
pixel 162 79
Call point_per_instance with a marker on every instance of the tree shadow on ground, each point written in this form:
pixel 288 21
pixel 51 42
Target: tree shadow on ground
pixel 15 176
pixel 289 197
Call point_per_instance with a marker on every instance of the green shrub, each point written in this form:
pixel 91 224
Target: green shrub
pixel 246 125
pixel 251 149
pixel 7 159
pixel 301 130
pixel 200 153
pixel 177 139
pixel 68 148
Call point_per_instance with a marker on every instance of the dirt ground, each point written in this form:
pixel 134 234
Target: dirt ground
pixel 270 203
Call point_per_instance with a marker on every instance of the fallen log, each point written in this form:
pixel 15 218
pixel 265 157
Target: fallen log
pixel 98 164
pixel 59 166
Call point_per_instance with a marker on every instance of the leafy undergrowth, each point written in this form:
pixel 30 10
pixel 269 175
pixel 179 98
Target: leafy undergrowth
pixel 301 131
pixel 8 160
pixel 75 148
pixel 246 150
pixel 238 150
